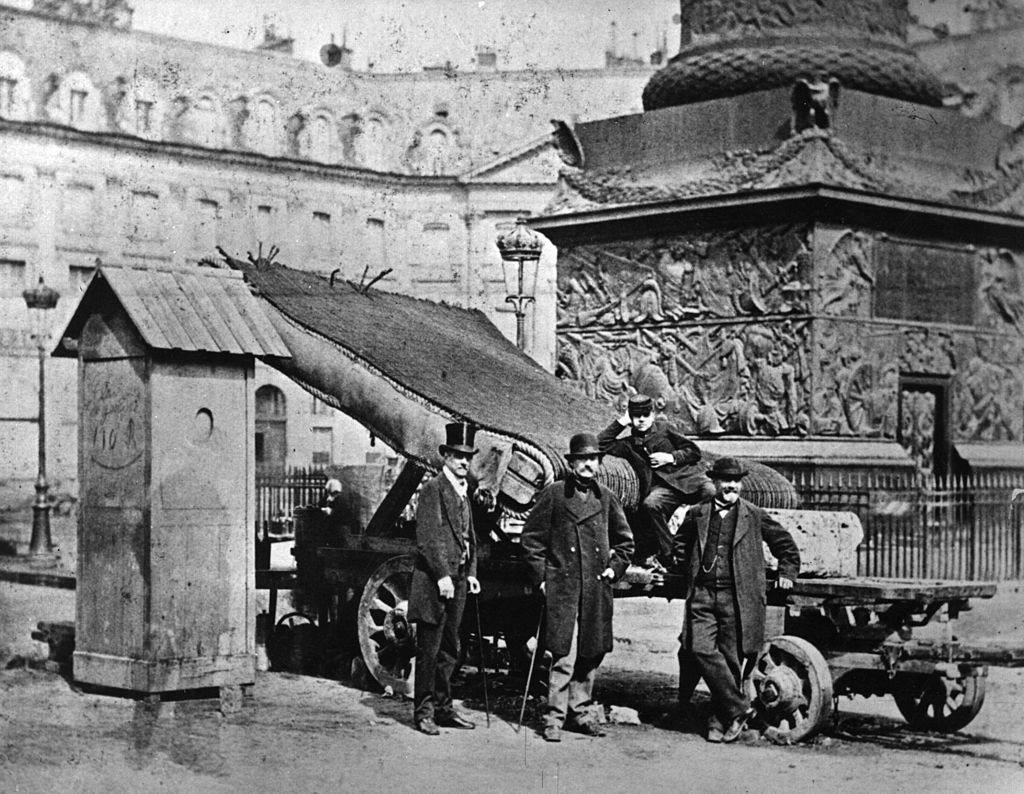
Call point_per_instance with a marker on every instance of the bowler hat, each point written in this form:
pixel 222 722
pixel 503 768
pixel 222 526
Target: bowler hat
pixel 459 437
pixel 727 469
pixel 639 405
pixel 581 445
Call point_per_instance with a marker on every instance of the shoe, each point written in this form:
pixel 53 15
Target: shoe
pixel 736 727
pixel 552 733
pixel 715 730
pixel 453 720
pixel 427 726
pixel 587 728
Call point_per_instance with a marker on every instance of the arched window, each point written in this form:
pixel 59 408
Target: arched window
pixel 372 143
pixel 264 127
pixel 321 138
pixel 207 122
pixel 76 102
pixel 436 150
pixel 14 88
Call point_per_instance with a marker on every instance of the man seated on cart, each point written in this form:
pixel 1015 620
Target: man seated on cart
pixel 667 465
pixel 719 550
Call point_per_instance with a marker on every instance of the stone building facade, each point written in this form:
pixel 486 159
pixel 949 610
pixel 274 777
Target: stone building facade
pixel 127 147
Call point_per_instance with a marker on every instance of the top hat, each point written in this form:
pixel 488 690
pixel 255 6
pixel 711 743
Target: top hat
pixel 639 405
pixel 459 437
pixel 727 469
pixel 581 445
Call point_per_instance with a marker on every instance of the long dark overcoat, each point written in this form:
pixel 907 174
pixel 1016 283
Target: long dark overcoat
pixel 439 546
pixel 684 474
pixel 752 526
pixel 568 548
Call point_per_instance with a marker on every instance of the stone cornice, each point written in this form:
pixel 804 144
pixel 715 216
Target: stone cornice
pixel 250 160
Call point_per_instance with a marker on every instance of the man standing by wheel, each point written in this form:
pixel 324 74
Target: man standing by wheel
pixel 445 571
pixel 718 548
pixel 667 466
pixel 576 542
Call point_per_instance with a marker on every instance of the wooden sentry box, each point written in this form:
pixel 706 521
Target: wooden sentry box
pixel 165 590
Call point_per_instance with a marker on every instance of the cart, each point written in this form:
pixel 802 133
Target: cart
pixel 855 636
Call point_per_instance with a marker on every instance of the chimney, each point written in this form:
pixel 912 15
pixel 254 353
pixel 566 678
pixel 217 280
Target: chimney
pixel 486 59
pixel 272 42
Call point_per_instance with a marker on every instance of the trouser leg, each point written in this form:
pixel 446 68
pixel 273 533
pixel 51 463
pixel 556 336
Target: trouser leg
pixel 581 686
pixel 437 653
pixel 689 676
pixel 428 644
pixel 657 508
pixel 713 633
pixel 570 683
pixel 448 652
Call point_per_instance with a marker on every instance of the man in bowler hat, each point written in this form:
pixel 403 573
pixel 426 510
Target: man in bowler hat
pixel 718 548
pixel 445 571
pixel 668 467
pixel 576 542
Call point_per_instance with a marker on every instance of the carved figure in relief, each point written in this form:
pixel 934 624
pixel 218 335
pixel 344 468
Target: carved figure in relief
pixel 847 279
pixel 1001 288
pixel 774 390
pixel 984 398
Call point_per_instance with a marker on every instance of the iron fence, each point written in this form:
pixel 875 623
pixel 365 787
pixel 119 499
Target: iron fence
pixel 277 496
pixel 967 528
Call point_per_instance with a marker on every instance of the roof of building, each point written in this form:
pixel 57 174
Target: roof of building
pixel 193 309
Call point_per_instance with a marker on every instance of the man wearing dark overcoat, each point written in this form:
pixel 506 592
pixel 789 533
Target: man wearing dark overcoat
pixel 445 570
pixel 667 465
pixel 577 542
pixel 719 549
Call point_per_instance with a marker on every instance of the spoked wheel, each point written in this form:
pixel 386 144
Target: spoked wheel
pixel 939 703
pixel 792 689
pixel 386 637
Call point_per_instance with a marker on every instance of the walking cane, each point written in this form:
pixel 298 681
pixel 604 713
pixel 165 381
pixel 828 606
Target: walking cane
pixel 483 662
pixel 529 673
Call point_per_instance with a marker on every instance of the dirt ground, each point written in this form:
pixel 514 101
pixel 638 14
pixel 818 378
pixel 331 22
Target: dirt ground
pixel 303 734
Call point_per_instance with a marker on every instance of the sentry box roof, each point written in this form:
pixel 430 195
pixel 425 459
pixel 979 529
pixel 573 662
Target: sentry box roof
pixel 193 309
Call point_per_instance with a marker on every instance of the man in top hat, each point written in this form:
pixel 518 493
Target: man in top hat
pixel 668 467
pixel 577 542
pixel 718 547
pixel 445 571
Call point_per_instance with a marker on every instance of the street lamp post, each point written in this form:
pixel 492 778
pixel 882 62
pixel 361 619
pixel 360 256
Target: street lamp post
pixel 40 300
pixel 520 259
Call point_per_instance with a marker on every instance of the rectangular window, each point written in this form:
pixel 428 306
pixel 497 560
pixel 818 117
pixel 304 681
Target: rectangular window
pixel 78 278
pixel 323 446
pixel 265 224
pixel 145 216
pixel 15 199
pixel 12 275
pixel 143 116
pixel 8 87
pixel 924 283
pixel 376 248
pixel 207 224
pixel 79 203
pixel 76 109
pixel 321 230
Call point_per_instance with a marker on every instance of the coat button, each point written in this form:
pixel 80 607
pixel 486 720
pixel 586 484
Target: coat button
pixel 572 548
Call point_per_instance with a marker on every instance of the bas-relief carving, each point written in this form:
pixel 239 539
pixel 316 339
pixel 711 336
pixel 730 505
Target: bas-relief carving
pixel 736 273
pixel 1000 292
pixel 855 380
pixel 749 379
pixel 846 278
pixel 927 351
pixel 658 316
pixel 988 394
